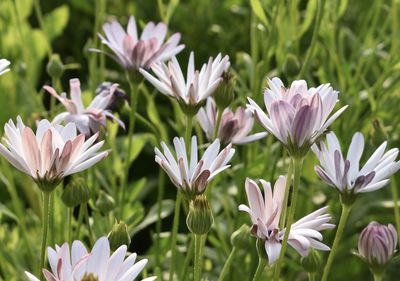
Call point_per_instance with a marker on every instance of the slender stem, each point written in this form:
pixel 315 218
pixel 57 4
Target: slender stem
pixel 217 123
pixel 132 118
pixel 52 231
pixel 297 163
pixel 286 198
pixel 90 232
pixel 45 222
pixel 40 19
pixel 395 197
pixel 80 218
pixel 227 264
pixel 175 234
pixel 69 221
pixel 197 257
pixel 377 277
pixel 160 196
pixel 260 268
pixel 320 10
pixel 188 131
pixel 189 255
pixel 311 276
pixel 343 219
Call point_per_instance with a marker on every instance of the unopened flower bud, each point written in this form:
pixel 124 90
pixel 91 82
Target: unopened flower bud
pixel 377 245
pixel 200 217
pixel 105 203
pixel 312 262
pixel 118 96
pixel 291 66
pixel 76 193
pixel 241 237
pixel 225 92
pixel 119 236
pixel 55 68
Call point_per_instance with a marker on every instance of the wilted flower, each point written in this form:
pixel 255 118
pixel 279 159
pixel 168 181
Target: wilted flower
pixel 346 175
pixel 297 116
pixel 77 264
pixel 4 66
pixel 117 97
pixel 199 85
pixel 132 52
pixel 52 153
pixel 234 126
pixel 190 175
pixel 377 245
pixel 265 214
pixel 88 120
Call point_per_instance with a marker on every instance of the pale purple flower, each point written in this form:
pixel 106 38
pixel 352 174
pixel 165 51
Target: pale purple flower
pixel 190 175
pixel 132 52
pixel 88 120
pixel 77 263
pixel 297 116
pixel 345 174
pixel 4 66
pixel 52 153
pixel 234 126
pixel 265 212
pixel 197 86
pixel 377 244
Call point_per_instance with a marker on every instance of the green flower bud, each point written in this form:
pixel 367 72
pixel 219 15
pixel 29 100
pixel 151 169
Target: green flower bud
pixel 224 95
pixel 105 203
pixel 119 236
pixel 241 237
pixel 200 217
pixel 76 193
pixel 312 262
pixel 291 66
pixel 55 68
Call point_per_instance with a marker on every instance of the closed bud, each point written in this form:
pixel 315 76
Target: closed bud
pixel 291 66
pixel 119 236
pixel 224 95
pixel 55 68
pixel 312 262
pixel 377 245
pixel 241 237
pixel 76 193
pixel 200 217
pixel 105 203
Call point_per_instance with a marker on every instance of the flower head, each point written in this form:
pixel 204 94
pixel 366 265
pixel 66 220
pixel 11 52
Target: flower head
pixel 265 212
pixel 190 175
pixel 297 116
pixel 88 120
pixel 198 85
pixel 377 245
pixel 118 95
pixel 234 126
pixel 132 52
pixel 76 264
pixel 4 66
pixel 52 153
pixel 345 174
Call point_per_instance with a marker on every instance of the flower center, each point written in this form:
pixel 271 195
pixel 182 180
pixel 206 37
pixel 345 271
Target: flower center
pixel 89 277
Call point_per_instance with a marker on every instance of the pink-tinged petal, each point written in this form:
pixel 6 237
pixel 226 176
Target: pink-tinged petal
pixel 86 164
pixel 132 29
pixel 273 249
pixel 282 115
pixel 255 198
pixel 31 277
pixel 354 154
pixel 31 150
pixel 75 88
pixel 46 151
pixel 302 125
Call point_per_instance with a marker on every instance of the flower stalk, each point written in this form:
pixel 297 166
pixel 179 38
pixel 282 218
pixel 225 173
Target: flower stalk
pixel 45 225
pixel 227 264
pixel 197 256
pixel 260 268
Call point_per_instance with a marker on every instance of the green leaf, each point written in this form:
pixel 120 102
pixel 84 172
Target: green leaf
pixel 309 17
pixel 56 21
pixel 7 212
pixel 259 11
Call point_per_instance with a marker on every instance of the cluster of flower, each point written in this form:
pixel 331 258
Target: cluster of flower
pixel 297 116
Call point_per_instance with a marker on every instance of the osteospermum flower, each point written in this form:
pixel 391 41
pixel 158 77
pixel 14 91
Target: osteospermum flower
pixel 234 127
pixel 265 212
pixel 88 120
pixel 198 84
pixel 132 52
pixel 345 174
pixel 377 245
pixel 4 66
pixel 76 264
pixel 297 116
pixel 190 175
pixel 52 153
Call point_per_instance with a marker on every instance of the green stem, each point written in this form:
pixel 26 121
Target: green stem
pixel 260 268
pixel 227 264
pixel 90 232
pixel 69 221
pixel 297 163
pixel 80 218
pixel 343 219
pixel 188 131
pixel 175 227
pixel 217 123
pixel 40 19
pixel 395 197
pixel 286 198
pixel 197 257
pixel 377 277
pixel 132 118
pixel 160 195
pixel 45 222
pixel 52 231
pixel 320 10
pixel 311 276
pixel 189 255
